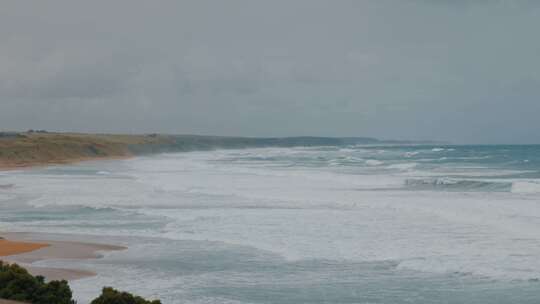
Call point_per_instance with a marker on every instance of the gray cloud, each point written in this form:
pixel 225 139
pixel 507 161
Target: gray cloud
pixel 464 71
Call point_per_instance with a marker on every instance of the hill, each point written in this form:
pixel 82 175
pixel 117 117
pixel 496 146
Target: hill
pixel 43 148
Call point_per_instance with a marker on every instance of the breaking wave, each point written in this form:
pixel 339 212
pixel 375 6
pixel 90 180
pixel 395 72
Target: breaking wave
pixel 449 184
pixel 526 187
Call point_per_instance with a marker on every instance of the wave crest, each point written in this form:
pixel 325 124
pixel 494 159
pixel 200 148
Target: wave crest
pixel 526 187
pixel 449 184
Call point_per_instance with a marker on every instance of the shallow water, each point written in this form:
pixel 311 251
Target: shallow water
pixel 384 224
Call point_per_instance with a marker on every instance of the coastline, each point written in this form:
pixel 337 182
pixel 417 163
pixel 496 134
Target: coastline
pixel 7 166
pixel 9 247
pixel 30 151
pixel 25 248
pixel 41 148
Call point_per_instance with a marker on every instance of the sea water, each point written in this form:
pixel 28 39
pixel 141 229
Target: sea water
pixel 351 224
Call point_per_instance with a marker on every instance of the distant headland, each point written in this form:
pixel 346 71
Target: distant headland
pixel 39 147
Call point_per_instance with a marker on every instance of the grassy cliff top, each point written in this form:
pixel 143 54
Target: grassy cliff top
pixel 43 148
pixel 27 149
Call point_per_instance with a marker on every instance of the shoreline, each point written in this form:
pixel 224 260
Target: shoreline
pixel 36 149
pixel 25 248
pixel 31 165
pixel 41 148
pixel 9 247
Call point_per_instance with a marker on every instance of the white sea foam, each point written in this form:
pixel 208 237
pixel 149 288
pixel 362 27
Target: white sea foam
pixel 301 211
pixel 526 186
pixel 374 162
pixel 411 154
pixel 403 166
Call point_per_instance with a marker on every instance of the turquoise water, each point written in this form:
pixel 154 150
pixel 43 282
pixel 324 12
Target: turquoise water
pixel 350 224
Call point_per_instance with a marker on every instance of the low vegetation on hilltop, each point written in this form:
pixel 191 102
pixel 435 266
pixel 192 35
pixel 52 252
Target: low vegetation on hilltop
pixel 33 148
pixel 41 147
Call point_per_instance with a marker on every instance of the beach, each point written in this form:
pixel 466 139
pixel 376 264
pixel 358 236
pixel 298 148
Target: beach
pixel 27 248
pixel 8 247
pixel 33 151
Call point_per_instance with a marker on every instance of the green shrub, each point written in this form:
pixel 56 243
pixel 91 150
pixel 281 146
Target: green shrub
pixel 17 284
pixel 112 296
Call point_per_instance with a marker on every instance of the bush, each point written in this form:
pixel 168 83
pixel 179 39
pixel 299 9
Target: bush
pixel 17 284
pixel 112 296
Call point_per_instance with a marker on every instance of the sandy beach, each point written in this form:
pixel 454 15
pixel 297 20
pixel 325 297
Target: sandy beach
pixel 13 165
pixel 27 248
pixel 12 247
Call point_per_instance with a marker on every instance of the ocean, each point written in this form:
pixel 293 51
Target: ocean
pixel 335 224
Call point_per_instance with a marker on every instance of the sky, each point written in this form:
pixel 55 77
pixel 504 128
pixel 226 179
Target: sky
pixel 453 70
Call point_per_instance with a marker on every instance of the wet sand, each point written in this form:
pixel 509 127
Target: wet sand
pixel 14 165
pixel 27 248
pixel 12 247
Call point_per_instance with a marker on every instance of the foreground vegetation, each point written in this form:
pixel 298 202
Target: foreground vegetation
pixel 19 285
pixel 112 296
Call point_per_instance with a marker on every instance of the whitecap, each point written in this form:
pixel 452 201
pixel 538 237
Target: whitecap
pixel 403 166
pixel 411 154
pixel 526 187
pixel 374 162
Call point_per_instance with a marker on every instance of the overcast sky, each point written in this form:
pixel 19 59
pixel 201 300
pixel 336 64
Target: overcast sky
pixel 456 70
